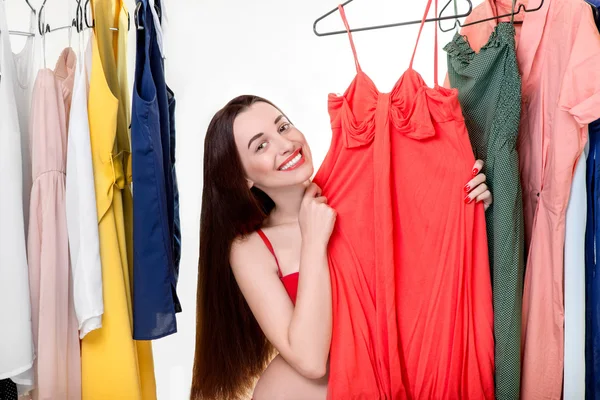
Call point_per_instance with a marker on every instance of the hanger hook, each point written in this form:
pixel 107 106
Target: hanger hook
pixel 85 13
pixel 40 16
pixel 79 17
pixel 136 16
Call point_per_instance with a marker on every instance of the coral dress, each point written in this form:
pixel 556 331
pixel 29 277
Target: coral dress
pixel 412 300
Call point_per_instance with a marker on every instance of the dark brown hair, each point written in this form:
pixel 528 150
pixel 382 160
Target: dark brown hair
pixel 231 349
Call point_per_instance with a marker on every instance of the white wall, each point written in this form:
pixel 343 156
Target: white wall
pixel 222 48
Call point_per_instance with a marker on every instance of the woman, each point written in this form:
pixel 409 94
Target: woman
pixel 262 222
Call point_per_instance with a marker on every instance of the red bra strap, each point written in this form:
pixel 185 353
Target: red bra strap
pixel 270 247
pixel 343 14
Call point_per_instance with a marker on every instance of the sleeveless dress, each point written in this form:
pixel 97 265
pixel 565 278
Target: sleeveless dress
pixel 113 365
pixel 16 342
pixel 411 291
pixel 489 91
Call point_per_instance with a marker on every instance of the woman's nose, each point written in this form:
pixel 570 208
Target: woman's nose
pixel 285 146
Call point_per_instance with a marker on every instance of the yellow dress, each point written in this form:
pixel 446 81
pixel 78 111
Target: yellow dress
pixel 114 366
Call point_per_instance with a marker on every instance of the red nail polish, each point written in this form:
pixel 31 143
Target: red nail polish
pixel 475 172
pixel 467 188
pixel 467 200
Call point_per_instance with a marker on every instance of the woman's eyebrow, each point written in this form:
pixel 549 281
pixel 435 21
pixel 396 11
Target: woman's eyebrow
pixel 254 138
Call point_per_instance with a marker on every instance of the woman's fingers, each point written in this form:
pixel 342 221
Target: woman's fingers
pixel 312 191
pixel 321 199
pixel 486 198
pixel 477 191
pixel 477 167
pixel 473 183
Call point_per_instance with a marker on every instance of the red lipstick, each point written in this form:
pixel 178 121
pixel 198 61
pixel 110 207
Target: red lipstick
pixel 290 158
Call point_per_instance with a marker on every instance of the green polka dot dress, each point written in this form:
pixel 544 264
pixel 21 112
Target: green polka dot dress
pixel 489 87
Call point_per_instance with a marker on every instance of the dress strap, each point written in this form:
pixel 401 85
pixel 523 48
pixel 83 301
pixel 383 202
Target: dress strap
pixel 270 247
pixel 512 12
pixel 435 54
pixel 343 14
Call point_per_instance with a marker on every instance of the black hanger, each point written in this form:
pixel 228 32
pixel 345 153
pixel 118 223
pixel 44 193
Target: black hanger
pixel 30 6
pixel 368 28
pixel 87 7
pixel 46 29
pixel 519 9
pixel 91 23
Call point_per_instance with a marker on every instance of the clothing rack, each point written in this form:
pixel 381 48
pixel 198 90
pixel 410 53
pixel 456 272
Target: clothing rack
pixel 457 23
pixel 368 28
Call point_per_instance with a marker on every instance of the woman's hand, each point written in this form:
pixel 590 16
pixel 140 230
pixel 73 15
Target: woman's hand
pixel 316 218
pixel 477 189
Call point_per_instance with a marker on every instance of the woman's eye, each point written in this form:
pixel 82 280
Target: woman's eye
pixel 261 146
pixel 284 127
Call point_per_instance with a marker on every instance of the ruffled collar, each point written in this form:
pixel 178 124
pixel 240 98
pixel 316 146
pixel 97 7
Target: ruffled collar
pixel 460 50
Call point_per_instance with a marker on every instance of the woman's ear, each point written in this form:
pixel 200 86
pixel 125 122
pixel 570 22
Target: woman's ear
pixel 250 183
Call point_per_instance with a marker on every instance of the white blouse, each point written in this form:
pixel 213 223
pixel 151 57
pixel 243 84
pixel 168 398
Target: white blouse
pixel 82 220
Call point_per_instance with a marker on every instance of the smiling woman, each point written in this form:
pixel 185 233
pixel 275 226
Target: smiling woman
pixel 251 298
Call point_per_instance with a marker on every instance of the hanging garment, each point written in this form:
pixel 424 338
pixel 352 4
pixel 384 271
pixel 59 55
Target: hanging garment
pixel 111 346
pixel 489 91
pixel 175 223
pixel 23 85
pixel 575 220
pixel 558 59
pixel 592 242
pixel 411 292
pixel 16 342
pixel 82 221
pixel 154 7
pixel 8 390
pixel 561 97
pixel 156 258
pixel 57 365
pixel 592 279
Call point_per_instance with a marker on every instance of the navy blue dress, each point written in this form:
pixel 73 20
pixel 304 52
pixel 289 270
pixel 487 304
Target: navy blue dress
pixel 156 233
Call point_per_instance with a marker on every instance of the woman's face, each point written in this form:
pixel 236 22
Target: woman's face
pixel 274 153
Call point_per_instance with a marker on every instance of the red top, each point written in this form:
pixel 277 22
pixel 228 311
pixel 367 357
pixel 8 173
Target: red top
pixel 290 282
pixel 408 259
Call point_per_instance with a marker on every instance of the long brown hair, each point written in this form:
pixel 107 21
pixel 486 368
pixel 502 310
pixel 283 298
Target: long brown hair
pixel 231 349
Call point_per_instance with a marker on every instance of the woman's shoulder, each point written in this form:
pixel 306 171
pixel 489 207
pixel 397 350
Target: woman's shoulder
pixel 246 242
pixel 247 250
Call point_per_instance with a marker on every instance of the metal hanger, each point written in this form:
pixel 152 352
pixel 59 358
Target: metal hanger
pixel 23 33
pixel 368 28
pixel 47 29
pixel 521 7
pixel 30 6
pixel 92 24
pixel 136 15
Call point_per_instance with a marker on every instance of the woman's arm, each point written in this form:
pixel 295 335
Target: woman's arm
pixel 301 334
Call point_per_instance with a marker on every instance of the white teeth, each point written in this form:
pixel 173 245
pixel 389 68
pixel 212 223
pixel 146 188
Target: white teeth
pixel 292 163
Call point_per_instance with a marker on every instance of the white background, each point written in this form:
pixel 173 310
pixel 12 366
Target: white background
pixel 219 49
